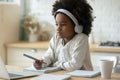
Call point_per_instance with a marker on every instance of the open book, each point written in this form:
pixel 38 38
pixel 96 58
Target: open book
pixel 43 70
pixel 84 73
pixel 52 77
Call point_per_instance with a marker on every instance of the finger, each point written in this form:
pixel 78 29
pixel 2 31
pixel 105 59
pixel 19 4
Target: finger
pixel 37 61
pixel 36 65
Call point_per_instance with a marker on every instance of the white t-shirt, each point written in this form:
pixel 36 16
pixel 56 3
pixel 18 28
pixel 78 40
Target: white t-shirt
pixel 71 56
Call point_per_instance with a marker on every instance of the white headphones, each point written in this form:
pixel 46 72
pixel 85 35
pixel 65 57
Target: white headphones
pixel 78 28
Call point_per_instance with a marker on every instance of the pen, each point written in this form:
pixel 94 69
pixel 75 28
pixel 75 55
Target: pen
pixel 31 57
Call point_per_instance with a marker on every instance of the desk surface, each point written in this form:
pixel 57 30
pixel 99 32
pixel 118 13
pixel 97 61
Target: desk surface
pixel 115 76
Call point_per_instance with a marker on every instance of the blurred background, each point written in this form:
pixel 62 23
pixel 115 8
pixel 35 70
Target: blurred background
pixel 32 21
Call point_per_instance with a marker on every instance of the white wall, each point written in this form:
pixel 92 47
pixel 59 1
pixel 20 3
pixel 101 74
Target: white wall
pixel 106 25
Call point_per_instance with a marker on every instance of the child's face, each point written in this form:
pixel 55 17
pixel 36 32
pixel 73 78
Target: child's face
pixel 64 26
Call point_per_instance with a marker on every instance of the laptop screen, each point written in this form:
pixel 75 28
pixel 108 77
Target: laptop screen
pixel 3 70
pixel 4 74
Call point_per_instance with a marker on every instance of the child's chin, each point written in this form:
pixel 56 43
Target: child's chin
pixel 59 36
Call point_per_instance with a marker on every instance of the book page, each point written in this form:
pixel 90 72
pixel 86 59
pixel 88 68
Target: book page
pixel 43 70
pixel 52 77
pixel 84 73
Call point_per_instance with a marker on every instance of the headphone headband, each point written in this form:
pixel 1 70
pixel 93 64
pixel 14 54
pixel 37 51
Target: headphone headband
pixel 78 28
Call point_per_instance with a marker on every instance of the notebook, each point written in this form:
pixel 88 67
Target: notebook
pixel 52 77
pixel 84 73
pixel 43 70
pixel 4 74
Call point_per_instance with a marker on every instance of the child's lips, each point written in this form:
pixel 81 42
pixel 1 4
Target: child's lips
pixel 59 33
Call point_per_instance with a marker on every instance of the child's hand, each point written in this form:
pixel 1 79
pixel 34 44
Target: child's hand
pixel 38 64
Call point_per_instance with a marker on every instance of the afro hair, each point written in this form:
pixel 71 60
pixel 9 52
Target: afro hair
pixel 80 9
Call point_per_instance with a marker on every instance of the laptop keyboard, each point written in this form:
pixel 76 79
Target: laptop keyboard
pixel 14 75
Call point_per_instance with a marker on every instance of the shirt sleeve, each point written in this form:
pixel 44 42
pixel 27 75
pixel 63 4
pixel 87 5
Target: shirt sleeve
pixel 81 48
pixel 48 58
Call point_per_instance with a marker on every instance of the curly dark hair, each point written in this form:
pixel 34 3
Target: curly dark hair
pixel 80 9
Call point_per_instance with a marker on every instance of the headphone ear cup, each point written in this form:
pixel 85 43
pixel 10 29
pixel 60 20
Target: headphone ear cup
pixel 78 29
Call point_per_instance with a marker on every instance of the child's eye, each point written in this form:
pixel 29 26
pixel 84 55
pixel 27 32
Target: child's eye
pixel 63 24
pixel 56 24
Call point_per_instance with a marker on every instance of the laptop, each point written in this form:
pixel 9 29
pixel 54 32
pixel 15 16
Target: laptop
pixel 13 75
